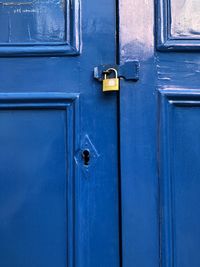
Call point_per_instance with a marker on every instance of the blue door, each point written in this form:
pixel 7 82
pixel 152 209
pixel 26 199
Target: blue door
pixel 58 135
pixel 160 133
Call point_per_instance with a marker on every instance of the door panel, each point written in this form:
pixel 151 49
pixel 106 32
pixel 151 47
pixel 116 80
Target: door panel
pixel 37 187
pixel 57 210
pixel 33 22
pixel 185 19
pixel 180 186
pixel 44 28
pixel 177 26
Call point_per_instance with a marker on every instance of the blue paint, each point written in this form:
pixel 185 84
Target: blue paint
pixel 37 219
pixel 31 28
pixel 32 21
pixel 128 71
pixel 33 204
pixel 159 134
pixel 58 211
pixel 179 172
pixel 52 212
pixel 177 25
pixel 138 138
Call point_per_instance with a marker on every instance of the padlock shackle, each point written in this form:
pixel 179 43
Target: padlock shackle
pixel 109 71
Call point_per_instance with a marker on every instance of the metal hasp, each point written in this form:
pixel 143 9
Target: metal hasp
pixel 129 71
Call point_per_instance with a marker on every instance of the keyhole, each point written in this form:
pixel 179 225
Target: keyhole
pixel 86 157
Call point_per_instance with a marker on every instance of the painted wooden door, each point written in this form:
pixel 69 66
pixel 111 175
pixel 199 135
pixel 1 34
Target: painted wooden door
pixel 160 133
pixel 58 160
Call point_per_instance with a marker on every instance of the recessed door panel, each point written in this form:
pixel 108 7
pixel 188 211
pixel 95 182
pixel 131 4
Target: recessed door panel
pixel 40 27
pixel 179 178
pixel 32 21
pixel 36 209
pixel 177 25
pixel 185 21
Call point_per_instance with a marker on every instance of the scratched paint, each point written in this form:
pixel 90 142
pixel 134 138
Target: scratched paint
pixel 185 18
pixel 32 21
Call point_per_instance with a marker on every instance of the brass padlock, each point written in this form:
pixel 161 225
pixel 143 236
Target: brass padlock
pixel 111 84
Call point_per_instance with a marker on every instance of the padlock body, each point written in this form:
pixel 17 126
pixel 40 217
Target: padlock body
pixel 111 85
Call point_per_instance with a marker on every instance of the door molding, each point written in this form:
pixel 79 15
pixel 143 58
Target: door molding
pixel 69 103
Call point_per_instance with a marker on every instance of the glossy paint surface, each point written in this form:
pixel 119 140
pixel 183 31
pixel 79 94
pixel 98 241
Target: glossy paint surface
pixel 33 195
pixel 177 25
pixel 32 21
pixel 139 182
pixel 56 211
pixel 159 118
pixel 179 177
pixel 40 28
pixel 185 19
